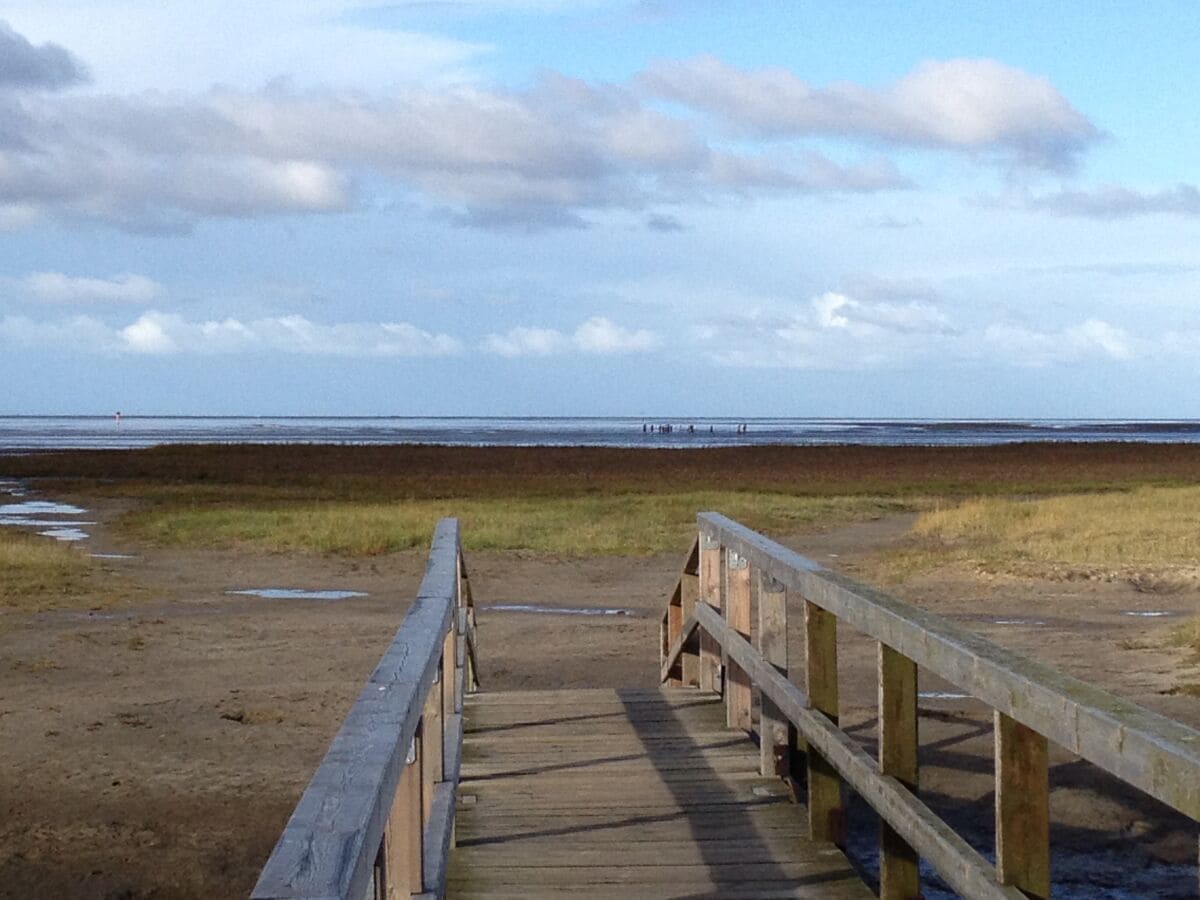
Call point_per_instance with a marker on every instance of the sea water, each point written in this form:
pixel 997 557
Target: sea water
pixel 30 433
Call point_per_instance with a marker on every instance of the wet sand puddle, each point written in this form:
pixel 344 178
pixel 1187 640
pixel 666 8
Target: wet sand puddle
pixel 57 520
pixel 1150 613
pixel 297 594
pixel 556 610
pixel 943 695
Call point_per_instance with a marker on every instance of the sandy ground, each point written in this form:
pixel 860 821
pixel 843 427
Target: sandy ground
pixel 156 750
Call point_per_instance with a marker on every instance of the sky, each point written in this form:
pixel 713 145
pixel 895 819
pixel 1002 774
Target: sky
pixel 601 207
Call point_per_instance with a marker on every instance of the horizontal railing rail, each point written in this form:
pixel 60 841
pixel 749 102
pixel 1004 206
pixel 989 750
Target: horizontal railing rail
pixel 377 818
pixel 708 621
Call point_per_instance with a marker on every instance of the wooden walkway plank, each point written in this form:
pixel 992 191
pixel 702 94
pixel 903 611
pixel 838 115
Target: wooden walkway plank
pixel 635 794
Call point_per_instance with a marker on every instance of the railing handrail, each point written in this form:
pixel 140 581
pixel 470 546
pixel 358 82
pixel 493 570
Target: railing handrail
pixel 1151 752
pixel 333 846
pixel 708 620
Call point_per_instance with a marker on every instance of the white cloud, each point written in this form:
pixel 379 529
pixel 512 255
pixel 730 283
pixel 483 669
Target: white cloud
pixel 962 104
pixel 835 310
pixel 544 156
pixel 1094 338
pixel 597 336
pixel 159 334
pixel 600 335
pixel 56 287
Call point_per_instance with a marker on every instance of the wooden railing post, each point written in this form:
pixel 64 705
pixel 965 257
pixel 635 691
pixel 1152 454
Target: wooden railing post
pixel 1022 808
pixel 403 850
pixel 776 736
pixel 826 810
pixel 673 626
pixel 689 591
pixel 433 747
pixel 738 692
pixel 710 593
pixel 899 874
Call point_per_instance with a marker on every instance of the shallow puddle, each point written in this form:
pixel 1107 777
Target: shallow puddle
pixel 45 514
pixel 1017 622
pixel 943 695
pixel 297 594
pixel 40 508
pixel 1149 613
pixel 111 556
pixel 556 610
pixel 65 534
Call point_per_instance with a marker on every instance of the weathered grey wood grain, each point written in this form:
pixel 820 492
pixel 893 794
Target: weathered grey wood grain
pixel 1149 751
pixel 439 832
pixel 677 647
pixel 1022 808
pixel 329 846
pixel 962 867
pixel 899 873
pixel 622 812
pixel 774 732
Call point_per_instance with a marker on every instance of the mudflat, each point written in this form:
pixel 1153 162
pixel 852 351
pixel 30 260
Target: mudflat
pixel 153 745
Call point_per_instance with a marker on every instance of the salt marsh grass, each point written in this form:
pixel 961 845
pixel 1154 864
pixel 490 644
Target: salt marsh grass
pixel 36 572
pixel 606 525
pixel 1142 534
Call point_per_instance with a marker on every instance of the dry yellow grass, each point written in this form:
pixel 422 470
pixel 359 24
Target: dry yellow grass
pixel 1149 532
pixel 620 524
pixel 38 573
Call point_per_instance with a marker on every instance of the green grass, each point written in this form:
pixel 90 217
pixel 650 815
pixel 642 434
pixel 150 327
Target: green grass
pixel 616 525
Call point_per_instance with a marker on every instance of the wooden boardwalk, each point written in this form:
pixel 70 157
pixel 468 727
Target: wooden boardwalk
pixel 657 793
pixel 626 793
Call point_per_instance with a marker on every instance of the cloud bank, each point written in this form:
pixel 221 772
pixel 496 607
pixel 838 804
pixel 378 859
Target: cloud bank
pixel 165 334
pixel 598 336
pixel 555 154
pixel 972 105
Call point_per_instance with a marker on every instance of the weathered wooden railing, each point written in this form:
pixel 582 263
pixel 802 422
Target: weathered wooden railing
pixel 377 819
pixel 706 642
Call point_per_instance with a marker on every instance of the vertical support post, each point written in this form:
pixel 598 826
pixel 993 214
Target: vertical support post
pixel 449 664
pixel 710 593
pixel 899 875
pixel 776 736
pixel 689 591
pixel 466 603
pixel 738 690
pixel 460 669
pixel 402 840
pixel 674 625
pixel 826 809
pixel 1022 807
pixel 433 739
